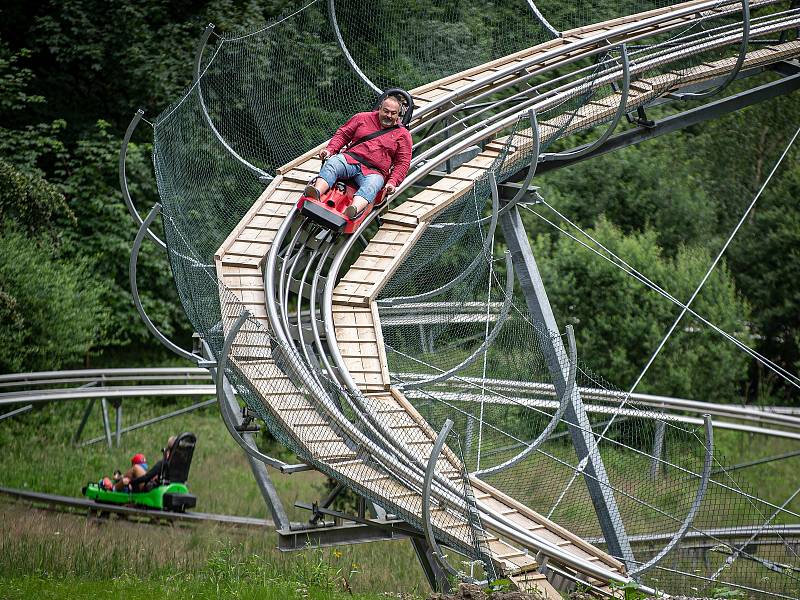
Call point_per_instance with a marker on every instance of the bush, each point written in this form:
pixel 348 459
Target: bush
pixel 50 311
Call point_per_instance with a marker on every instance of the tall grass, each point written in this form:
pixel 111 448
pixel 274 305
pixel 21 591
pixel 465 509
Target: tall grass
pixel 42 548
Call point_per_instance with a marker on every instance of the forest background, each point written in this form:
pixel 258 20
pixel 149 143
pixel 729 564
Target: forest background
pixel 72 73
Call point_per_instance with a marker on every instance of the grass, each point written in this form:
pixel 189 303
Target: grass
pixel 52 555
pixel 56 555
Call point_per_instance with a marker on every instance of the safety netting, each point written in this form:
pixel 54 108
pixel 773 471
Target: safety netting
pixel 462 343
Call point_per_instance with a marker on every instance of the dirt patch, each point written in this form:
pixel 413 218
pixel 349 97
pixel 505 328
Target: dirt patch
pixel 468 591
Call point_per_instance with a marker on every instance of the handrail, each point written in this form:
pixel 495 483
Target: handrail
pixel 345 51
pixel 479 258
pixel 565 400
pixel 123 178
pixel 545 23
pixel 698 499
pixel 484 347
pixel 225 410
pixel 430 538
pixel 137 301
pixel 621 110
pixel 739 61
pixel 260 173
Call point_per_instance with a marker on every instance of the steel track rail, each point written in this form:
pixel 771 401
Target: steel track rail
pixel 92 506
pixel 474 134
pixel 408 466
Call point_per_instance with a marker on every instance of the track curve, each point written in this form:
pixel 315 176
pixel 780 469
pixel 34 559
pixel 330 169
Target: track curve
pixel 320 371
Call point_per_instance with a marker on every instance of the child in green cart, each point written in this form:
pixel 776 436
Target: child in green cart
pixel 120 482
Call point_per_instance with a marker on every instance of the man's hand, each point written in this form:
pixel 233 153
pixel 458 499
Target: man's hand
pixel 324 154
pixel 390 189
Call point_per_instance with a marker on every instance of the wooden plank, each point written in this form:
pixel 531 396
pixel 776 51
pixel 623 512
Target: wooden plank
pixel 477 484
pixel 250 213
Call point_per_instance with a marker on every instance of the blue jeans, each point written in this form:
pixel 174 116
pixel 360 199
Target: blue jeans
pixel 337 167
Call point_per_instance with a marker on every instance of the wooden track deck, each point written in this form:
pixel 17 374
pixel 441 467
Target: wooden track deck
pixel 239 264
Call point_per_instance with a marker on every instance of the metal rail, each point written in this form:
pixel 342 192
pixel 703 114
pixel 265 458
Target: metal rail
pixel 739 60
pixel 623 104
pixel 137 301
pixel 480 258
pixel 545 23
pixel 56 500
pixel 601 409
pixel 121 391
pixel 123 178
pixel 505 119
pixel 93 375
pixel 225 410
pixel 501 319
pixel 628 31
pixel 430 537
pixel 345 52
pixel 391 452
pixel 545 434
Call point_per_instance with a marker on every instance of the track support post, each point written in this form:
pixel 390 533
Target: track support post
pixel 595 476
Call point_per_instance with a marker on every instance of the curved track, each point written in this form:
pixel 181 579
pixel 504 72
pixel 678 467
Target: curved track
pixel 314 334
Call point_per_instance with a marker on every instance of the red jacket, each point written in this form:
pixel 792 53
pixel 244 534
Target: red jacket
pixel 390 152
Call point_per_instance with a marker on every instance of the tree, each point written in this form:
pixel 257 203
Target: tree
pixel 51 312
pixel 619 323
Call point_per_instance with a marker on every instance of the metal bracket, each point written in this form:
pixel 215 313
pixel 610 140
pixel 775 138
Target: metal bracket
pixel 737 67
pixel 566 397
pixel 621 110
pixel 430 538
pixel 698 499
pixel 123 178
pixel 137 301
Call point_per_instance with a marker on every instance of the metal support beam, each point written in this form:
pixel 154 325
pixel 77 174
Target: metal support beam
pixel 87 411
pixel 267 488
pixel 106 424
pixel 15 412
pixel 436 577
pixel 658 450
pixel 140 425
pixel 712 110
pixel 595 475
pixel 117 404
